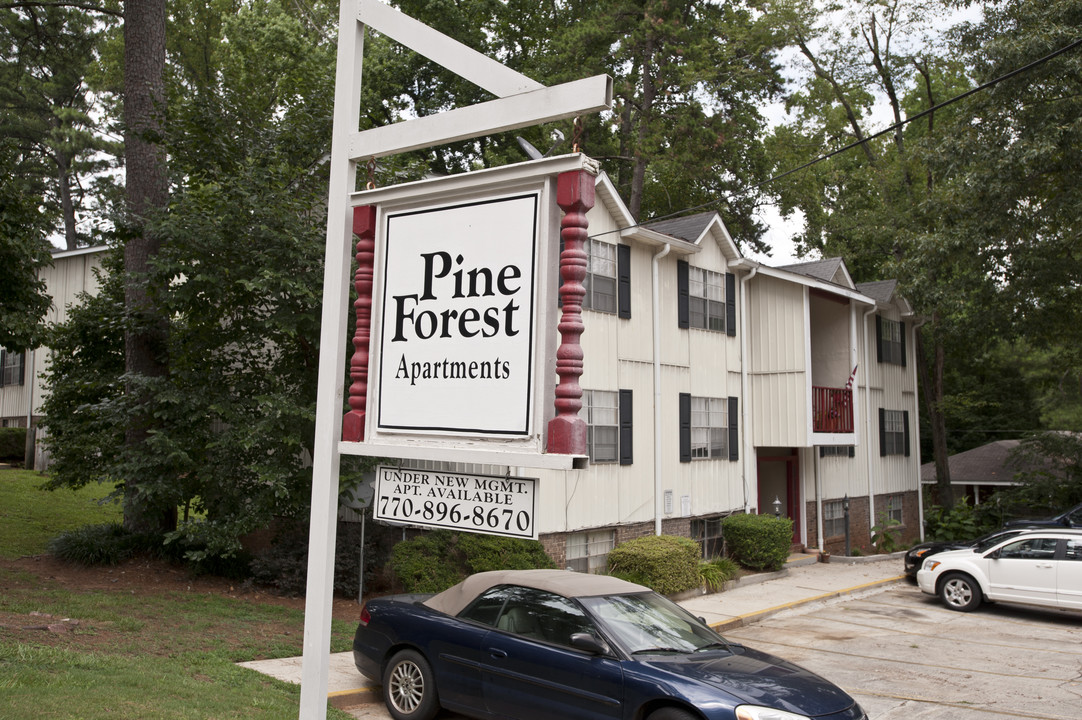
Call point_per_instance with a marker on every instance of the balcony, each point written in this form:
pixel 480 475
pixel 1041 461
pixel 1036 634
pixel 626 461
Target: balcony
pixel 832 410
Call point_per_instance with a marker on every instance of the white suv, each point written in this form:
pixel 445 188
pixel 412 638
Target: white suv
pixel 1038 567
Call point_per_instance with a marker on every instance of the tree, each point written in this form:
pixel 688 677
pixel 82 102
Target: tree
pixel 47 107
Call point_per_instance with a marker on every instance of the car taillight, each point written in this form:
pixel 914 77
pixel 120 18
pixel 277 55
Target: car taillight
pixel 365 615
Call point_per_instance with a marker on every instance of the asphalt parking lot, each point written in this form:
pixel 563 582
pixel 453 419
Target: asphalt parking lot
pixel 901 654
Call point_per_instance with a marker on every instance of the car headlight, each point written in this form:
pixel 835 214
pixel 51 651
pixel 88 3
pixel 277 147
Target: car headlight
pixel 754 712
pixel 920 553
pixel 930 565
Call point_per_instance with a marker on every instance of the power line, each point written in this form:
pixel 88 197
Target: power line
pixel 858 143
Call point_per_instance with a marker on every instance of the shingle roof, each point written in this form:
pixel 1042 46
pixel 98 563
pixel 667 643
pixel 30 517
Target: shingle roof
pixel 688 228
pixel 820 269
pixel 985 465
pixel 881 290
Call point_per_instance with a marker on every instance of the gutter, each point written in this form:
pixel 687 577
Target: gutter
pixel 916 420
pixel 656 320
pixel 745 404
pixel 868 422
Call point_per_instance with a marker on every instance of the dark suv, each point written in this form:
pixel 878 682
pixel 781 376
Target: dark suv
pixel 1071 519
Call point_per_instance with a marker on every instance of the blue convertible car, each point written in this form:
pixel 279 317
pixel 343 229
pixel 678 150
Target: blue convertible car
pixel 544 644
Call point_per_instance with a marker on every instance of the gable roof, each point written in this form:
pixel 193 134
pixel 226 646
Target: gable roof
pixel 689 228
pixel 881 290
pixel 830 270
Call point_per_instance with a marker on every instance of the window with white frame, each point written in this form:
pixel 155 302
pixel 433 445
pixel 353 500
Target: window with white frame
pixel 602 412
pixel 892 434
pixel 891 343
pixel 893 508
pixel 706 299
pixel 709 427
pixel 589 551
pixel 845 451
pixel 707 531
pixel 833 518
pixel 600 282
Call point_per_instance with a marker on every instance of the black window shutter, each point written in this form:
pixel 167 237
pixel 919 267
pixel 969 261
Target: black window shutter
pixel 903 344
pixel 852 451
pixel 682 282
pixel 882 432
pixel 905 421
pixel 623 281
pixel 730 304
pixel 22 368
pixel 878 339
pixel 734 429
pixel 685 427
pixel 626 455
pixel 822 450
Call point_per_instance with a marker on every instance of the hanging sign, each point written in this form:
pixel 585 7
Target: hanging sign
pixel 489 504
pixel 457 330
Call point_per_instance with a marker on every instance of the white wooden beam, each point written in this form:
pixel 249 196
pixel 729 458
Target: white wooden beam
pixel 460 59
pixel 531 108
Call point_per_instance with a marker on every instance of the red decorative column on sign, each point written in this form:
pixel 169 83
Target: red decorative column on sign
pixel 574 195
pixel 364 227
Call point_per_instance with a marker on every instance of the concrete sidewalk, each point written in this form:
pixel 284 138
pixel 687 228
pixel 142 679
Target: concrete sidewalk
pixel 804 581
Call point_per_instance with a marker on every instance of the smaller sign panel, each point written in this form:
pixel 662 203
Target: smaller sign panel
pixel 488 504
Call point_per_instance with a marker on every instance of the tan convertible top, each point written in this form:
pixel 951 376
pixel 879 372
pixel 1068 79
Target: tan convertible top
pixel 454 599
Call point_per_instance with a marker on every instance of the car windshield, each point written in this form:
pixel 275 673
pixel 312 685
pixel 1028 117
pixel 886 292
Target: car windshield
pixel 992 539
pixel 647 622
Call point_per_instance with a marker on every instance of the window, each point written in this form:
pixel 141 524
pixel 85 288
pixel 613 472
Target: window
pixel 530 613
pixel 11 368
pixel 707 531
pixel 608 426
pixel 602 425
pixel 893 432
pixel 893 509
pixel 1030 549
pixel 890 345
pixel 600 282
pixel 708 428
pixel 1074 549
pixel 833 518
pixel 845 451
pixel 589 551
pixel 705 299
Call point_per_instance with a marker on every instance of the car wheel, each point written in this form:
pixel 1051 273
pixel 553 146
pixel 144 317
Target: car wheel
pixel 409 688
pixel 672 713
pixel 960 592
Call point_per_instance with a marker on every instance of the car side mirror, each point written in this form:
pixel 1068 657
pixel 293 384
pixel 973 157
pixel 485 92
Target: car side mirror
pixel 994 555
pixel 589 643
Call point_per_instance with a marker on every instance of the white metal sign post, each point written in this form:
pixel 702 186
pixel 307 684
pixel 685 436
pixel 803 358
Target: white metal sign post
pixel 521 102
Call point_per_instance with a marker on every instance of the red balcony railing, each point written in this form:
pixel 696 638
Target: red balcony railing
pixel 832 410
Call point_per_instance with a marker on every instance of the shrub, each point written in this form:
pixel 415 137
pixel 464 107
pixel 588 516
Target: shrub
pixel 759 542
pixel 13 445
pixel 106 544
pixel 284 566
pixel 664 563
pixel 884 534
pixel 437 560
pixel 714 573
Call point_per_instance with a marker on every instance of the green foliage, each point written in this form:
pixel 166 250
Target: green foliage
pixel 1052 479
pixel 107 544
pixel 435 561
pixel 665 563
pixel 713 574
pixel 12 444
pixel 963 521
pixel 759 542
pixel 885 534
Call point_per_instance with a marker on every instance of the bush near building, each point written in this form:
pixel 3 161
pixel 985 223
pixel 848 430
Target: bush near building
pixel 665 563
pixel 437 560
pixel 12 445
pixel 758 542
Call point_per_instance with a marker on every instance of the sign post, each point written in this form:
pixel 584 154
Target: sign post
pixel 520 102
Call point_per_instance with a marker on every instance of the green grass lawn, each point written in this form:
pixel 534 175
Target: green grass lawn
pixel 125 654
pixel 30 517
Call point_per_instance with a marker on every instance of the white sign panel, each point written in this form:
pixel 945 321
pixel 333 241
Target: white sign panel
pixel 457 326
pixel 488 504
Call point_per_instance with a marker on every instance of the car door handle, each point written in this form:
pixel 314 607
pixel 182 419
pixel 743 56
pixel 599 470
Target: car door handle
pixel 497 653
pixel 1045 565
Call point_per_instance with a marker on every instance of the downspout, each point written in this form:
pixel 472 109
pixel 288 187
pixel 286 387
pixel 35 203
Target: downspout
pixel 659 502
pixel 819 502
pixel 745 404
pixel 868 423
pixel 916 420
